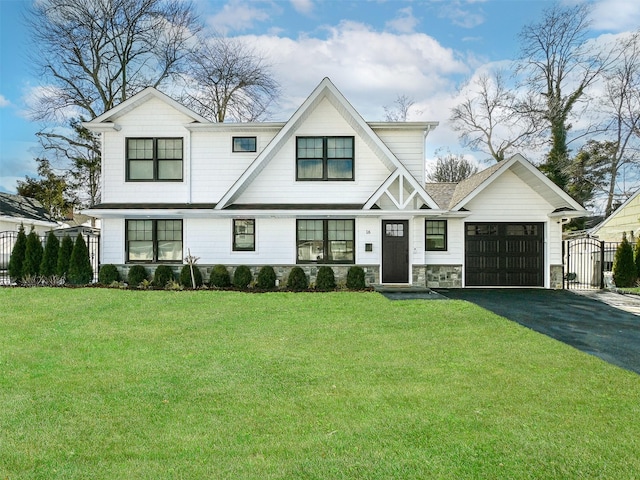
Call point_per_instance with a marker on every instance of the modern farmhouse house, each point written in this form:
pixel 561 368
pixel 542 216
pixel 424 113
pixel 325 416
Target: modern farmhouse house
pixel 324 188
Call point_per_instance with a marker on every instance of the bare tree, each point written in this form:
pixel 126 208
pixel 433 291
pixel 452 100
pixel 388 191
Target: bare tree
pixel 451 167
pixel 399 111
pixel 488 118
pixel 621 105
pixel 229 80
pixel 558 66
pixel 93 54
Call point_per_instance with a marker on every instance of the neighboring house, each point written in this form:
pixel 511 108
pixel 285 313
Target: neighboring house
pixel 324 188
pixel 625 219
pixel 15 211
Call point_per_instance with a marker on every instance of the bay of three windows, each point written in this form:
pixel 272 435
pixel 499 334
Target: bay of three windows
pixel 317 158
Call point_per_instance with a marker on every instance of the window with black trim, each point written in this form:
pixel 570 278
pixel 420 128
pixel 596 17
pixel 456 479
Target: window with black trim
pixel 436 235
pixel 154 159
pixel 244 144
pixel 325 241
pixel 244 235
pixel 324 158
pixel 154 241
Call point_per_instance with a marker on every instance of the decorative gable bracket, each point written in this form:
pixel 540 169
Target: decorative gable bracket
pixel 401 191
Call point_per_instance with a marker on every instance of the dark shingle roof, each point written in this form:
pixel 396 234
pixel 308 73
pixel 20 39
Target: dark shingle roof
pixel 20 207
pixel 447 195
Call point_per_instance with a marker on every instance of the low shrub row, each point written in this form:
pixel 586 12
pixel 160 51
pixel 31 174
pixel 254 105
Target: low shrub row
pixel 242 279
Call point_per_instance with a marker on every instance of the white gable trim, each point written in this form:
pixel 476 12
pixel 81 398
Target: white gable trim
pixel 326 89
pixel 107 118
pixel 401 201
pixel 551 190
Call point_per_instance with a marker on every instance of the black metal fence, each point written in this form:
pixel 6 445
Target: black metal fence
pixel 8 240
pixel 586 263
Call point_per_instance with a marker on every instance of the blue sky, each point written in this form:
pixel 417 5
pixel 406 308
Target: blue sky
pixel 373 50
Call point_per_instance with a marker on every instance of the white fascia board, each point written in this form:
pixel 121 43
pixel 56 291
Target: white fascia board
pixel 234 127
pixel 27 221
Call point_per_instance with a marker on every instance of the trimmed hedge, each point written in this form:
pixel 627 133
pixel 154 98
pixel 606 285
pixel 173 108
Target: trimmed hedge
pixel 325 280
pixel 137 274
pixel 266 279
pixel 108 274
pixel 80 269
pixel 16 261
pixel 220 277
pixel 49 263
pixel 297 280
pixel 64 255
pixel 242 277
pixel 32 256
pixel 185 276
pixel 162 276
pixel 355 278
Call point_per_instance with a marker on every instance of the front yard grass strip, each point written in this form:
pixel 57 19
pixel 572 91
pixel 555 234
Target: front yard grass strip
pixel 105 383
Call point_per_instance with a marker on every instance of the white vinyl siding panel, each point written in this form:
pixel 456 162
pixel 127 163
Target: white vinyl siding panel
pixel 112 240
pixel 454 255
pixel 152 119
pixel 408 147
pixel 277 182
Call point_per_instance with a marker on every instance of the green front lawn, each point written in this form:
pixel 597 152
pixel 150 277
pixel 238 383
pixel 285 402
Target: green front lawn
pixel 115 384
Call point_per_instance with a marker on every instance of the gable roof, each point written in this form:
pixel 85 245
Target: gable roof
pixel 618 211
pixel 326 90
pixel 454 196
pixel 18 208
pixel 107 119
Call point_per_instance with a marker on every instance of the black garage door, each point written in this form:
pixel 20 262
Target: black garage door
pixel 504 254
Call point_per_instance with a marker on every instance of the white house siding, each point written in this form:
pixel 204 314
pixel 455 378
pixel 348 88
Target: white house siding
pixel 408 147
pixel 154 118
pixel 624 220
pixel 277 182
pixel 112 238
pixel 215 167
pixel 454 255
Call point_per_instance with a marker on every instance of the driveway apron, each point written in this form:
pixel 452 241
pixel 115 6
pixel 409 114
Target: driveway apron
pixel 582 322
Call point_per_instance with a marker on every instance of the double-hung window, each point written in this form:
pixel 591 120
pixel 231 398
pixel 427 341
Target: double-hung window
pixel 325 241
pixel 436 235
pixel 154 159
pixel 244 235
pixel 154 240
pixel 324 158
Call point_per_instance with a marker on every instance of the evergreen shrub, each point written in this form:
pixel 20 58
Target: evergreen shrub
pixel 220 277
pixel 297 280
pixel 137 274
pixel 16 261
pixel 64 255
pixel 242 277
pixel 49 265
pixel 80 269
pixel 266 279
pixel 162 276
pixel 624 267
pixel 108 274
pixel 636 255
pixel 185 276
pixel 32 255
pixel 355 278
pixel 325 280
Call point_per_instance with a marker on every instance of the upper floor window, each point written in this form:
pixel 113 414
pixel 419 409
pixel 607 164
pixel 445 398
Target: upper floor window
pixel 154 240
pixel 436 232
pixel 154 159
pixel 324 158
pixel 244 144
pixel 244 235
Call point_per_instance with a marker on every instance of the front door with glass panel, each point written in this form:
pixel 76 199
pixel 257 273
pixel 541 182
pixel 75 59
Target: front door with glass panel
pixel 395 251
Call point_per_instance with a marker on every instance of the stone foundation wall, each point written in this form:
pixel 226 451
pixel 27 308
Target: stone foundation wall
pixel 439 276
pixel 556 275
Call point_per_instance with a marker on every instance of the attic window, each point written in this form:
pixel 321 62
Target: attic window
pixel 244 144
pixel 324 158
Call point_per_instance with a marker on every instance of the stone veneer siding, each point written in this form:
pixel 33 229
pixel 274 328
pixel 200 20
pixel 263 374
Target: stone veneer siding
pixel 557 274
pixel 438 276
pixel 371 272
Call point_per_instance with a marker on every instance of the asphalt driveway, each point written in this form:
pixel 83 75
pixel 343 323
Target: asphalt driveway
pixel 584 323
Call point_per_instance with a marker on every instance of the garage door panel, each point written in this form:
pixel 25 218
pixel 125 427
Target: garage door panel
pixel 504 254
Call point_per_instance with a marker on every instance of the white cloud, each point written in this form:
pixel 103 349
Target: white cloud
pixel 4 102
pixel 462 15
pixel 237 15
pixel 404 22
pixel 616 15
pixel 303 6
